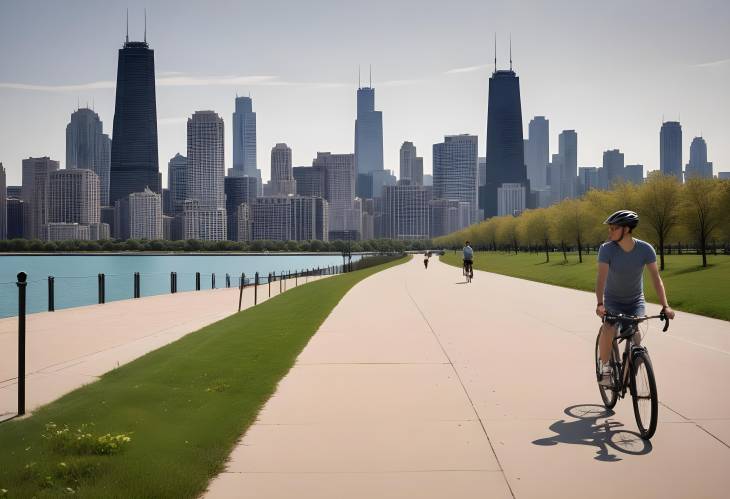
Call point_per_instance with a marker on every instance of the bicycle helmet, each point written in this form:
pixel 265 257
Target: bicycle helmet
pixel 625 218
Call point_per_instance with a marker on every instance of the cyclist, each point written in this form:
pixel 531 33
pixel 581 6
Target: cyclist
pixel 426 255
pixel 468 259
pixel 619 284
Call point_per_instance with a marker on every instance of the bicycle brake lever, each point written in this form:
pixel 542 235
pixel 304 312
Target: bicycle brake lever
pixel 666 322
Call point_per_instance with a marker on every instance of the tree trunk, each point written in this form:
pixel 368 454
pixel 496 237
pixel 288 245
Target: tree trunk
pixel 547 252
pixel 703 249
pixel 661 253
pixel 565 253
pixel 580 252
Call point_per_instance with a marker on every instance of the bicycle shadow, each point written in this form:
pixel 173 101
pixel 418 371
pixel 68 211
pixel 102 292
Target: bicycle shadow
pixel 605 435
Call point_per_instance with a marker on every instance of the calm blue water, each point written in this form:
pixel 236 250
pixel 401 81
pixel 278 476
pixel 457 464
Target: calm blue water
pixel 76 276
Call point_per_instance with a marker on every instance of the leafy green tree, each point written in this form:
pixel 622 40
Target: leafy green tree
pixel 700 210
pixel 658 208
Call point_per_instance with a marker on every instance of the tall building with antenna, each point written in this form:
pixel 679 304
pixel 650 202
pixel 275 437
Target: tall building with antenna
pixel 134 160
pixel 368 131
pixel 505 162
pixel 670 149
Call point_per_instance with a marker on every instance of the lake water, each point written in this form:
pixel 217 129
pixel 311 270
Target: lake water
pixel 76 282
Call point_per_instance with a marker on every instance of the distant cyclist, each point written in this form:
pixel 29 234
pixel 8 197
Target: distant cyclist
pixel 619 285
pixel 468 259
pixel 426 255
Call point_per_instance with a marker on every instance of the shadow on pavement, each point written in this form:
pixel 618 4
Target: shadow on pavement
pixel 607 436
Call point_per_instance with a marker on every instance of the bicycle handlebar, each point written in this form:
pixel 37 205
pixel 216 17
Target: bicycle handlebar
pixel 634 318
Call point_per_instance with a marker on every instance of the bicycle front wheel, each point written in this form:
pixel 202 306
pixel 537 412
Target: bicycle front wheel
pixel 644 395
pixel 609 394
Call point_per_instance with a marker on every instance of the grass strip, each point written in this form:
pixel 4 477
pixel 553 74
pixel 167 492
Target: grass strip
pixel 183 406
pixel 690 287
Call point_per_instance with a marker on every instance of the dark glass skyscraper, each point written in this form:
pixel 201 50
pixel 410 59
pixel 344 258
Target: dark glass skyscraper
pixel 368 133
pixel 505 146
pixel 670 149
pixel 134 163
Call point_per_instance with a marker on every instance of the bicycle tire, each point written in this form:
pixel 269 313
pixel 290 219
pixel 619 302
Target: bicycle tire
pixel 647 423
pixel 609 395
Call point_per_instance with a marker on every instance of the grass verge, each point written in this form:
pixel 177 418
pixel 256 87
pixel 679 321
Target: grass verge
pixel 690 287
pixel 182 407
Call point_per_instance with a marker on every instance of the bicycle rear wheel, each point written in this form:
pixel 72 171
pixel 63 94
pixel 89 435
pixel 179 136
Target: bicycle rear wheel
pixel 609 395
pixel 644 395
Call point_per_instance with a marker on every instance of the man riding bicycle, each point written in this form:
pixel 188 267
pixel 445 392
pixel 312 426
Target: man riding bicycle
pixel 468 259
pixel 619 284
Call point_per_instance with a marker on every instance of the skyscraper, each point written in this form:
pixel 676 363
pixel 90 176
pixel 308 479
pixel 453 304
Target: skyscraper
pixel 282 178
pixel 89 148
pixel 505 146
pixel 206 171
pixel 134 162
pixel 613 166
pixel 239 190
pixel 670 149
pixel 339 182
pixel 145 215
pixel 698 165
pixel 406 211
pixel 537 152
pixel 73 197
pixel 455 171
pixel 244 140
pixel 634 173
pixel 177 181
pixel 36 176
pixel 568 150
pixel 3 206
pixel 310 181
pixel 368 133
pixel 411 166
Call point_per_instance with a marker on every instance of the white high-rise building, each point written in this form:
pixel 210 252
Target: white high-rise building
pixel 568 150
pixel 339 181
pixel 510 199
pixel 407 211
pixel 145 215
pixel 73 197
pixel 206 171
pixel 177 181
pixel 282 177
pixel 537 152
pixel 411 166
pixel 89 148
pixel 455 171
pixel 36 176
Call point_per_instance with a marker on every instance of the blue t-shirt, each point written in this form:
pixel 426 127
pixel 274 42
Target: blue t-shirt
pixel 625 285
pixel 468 253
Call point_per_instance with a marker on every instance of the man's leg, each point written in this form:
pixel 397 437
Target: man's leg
pixel 608 333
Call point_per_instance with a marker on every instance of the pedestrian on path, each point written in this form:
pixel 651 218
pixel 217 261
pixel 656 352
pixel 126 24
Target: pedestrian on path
pixel 426 255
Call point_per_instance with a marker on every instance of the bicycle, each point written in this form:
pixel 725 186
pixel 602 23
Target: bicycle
pixel 467 271
pixel 632 371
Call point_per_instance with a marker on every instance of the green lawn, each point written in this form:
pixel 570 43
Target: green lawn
pixel 704 291
pixel 183 406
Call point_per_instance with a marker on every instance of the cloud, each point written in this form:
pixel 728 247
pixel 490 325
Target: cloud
pixel 713 64
pixel 176 79
pixel 468 69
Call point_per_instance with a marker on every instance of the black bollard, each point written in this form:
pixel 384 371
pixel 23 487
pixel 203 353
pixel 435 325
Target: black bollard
pixel 269 284
pixel 22 278
pixel 172 282
pixel 102 290
pixel 241 284
pixel 51 294
pixel 136 285
pixel 212 280
pixel 281 280
pixel 197 281
pixel 256 289
pixel 228 280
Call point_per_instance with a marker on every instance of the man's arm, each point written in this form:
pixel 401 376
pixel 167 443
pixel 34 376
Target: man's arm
pixel 600 287
pixel 656 280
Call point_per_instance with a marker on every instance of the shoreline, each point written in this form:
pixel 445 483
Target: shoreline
pixel 184 253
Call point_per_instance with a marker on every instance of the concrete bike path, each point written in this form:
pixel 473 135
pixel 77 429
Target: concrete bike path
pixel 419 385
pixel 72 347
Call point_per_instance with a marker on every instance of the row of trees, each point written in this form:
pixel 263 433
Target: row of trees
pixel 696 212
pixel 192 245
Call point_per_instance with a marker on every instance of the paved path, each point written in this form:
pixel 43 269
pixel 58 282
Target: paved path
pixel 421 386
pixel 72 347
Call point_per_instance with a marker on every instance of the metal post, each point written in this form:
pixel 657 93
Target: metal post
pixel 136 285
pixel 172 282
pixel 241 283
pixel 51 294
pixel 228 280
pixel 212 280
pixel 256 289
pixel 281 281
pixel 296 275
pixel 269 284
pixel 22 277
pixel 102 290
pixel 197 281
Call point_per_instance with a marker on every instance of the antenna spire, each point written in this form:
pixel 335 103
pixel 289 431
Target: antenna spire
pixel 371 76
pixel 127 39
pixel 145 25
pixel 510 51
pixel 495 52
pixel 359 79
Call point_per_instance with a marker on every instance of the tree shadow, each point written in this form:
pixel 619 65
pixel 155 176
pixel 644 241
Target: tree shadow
pixel 606 436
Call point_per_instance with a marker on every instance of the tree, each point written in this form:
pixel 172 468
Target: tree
pixel 537 229
pixel 574 220
pixel 658 201
pixel 700 210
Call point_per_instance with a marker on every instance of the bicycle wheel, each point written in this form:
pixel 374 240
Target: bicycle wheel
pixel 609 395
pixel 644 395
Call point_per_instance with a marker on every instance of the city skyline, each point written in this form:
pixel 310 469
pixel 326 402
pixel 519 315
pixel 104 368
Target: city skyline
pixel 451 89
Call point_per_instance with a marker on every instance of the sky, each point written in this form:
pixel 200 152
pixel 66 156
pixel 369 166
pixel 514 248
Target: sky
pixel 609 70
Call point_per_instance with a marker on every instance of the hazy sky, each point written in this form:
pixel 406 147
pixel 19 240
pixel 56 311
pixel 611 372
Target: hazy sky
pixel 609 70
